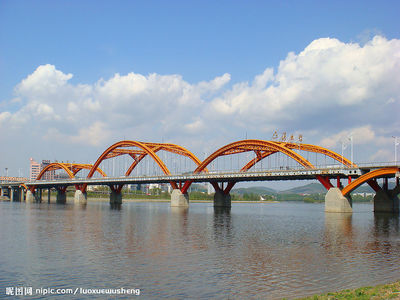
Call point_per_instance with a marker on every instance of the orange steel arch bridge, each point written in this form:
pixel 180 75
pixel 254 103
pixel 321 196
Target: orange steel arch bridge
pixel 261 149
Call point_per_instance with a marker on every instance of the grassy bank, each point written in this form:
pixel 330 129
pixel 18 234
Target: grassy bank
pixel 384 291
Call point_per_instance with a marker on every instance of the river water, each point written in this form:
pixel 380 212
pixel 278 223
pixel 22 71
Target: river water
pixel 264 250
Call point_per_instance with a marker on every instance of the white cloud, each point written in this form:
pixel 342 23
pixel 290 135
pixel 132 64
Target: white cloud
pixel 382 155
pixel 4 117
pixel 46 80
pixel 361 136
pixel 94 135
pixel 328 81
pixel 329 89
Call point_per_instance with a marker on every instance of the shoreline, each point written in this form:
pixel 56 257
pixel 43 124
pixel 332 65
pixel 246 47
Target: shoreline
pixel 381 291
pixel 102 199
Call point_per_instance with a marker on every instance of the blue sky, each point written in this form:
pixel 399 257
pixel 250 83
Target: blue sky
pixel 195 41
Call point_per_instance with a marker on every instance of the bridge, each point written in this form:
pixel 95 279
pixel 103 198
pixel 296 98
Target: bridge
pixel 337 199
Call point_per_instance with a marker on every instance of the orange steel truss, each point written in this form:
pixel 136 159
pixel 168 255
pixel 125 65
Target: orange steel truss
pixel 369 178
pixel 263 149
pixel 317 149
pixel 70 168
pixel 140 151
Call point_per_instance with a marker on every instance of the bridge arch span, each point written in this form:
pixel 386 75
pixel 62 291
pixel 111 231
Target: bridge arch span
pixel 142 150
pixel 305 147
pixel 70 168
pixel 260 147
pixel 53 167
pixel 367 177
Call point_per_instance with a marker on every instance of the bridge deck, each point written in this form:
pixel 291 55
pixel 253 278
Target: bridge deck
pixel 288 174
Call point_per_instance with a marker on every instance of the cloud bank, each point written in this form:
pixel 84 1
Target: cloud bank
pixel 327 91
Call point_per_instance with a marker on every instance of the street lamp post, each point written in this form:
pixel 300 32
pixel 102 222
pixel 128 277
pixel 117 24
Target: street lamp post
pixel 396 143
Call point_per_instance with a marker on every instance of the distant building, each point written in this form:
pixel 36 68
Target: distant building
pixel 34 169
pixel 50 175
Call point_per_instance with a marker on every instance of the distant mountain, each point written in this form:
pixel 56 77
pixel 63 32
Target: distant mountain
pixel 316 188
pixel 258 190
pixel 312 188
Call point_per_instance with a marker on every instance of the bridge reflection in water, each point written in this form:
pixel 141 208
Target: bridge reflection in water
pixel 251 250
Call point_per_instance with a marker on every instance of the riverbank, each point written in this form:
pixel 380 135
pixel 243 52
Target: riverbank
pixel 101 199
pixel 383 291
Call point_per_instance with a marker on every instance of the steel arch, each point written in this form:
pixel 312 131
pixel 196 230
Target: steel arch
pixel 70 168
pixel 137 155
pixel 305 147
pixel 367 177
pixel 260 147
pixel 257 146
pixel 321 150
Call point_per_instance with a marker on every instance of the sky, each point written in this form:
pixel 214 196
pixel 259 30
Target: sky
pixel 78 76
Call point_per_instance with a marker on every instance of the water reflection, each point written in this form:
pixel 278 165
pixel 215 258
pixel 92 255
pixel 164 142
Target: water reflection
pixel 115 206
pixel 338 227
pixel 386 223
pixel 249 251
pixel 222 223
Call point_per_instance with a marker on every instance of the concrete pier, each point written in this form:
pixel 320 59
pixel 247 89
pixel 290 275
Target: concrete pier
pixel 336 202
pixel 5 192
pixel 61 197
pixel 80 198
pixel 386 201
pixel 178 199
pixel 30 197
pixel 221 199
pixel 15 195
pixel 115 198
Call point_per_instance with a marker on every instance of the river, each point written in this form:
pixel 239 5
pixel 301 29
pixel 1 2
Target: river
pixel 260 250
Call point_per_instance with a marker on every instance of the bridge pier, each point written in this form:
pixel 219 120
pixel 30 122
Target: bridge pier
pixel 115 198
pixel 387 201
pixel 221 199
pixel 178 199
pixel 31 197
pixel 61 196
pixel 48 195
pixel 80 197
pixel 336 202
pixel 15 195
pixel 5 192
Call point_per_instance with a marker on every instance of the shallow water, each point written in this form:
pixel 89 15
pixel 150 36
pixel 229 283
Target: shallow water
pixel 265 250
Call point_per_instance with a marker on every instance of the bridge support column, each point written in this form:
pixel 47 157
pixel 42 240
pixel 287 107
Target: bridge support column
pixel 115 198
pixel 15 195
pixel 386 201
pixel 39 194
pixel 336 202
pixel 179 199
pixel 221 199
pixel 80 197
pixel 61 196
pixel 31 197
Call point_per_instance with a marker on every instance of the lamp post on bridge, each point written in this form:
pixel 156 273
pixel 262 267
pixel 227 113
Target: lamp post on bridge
pixel 396 143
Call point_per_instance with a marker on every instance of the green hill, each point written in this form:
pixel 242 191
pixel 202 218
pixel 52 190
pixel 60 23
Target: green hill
pixel 258 190
pixel 312 188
